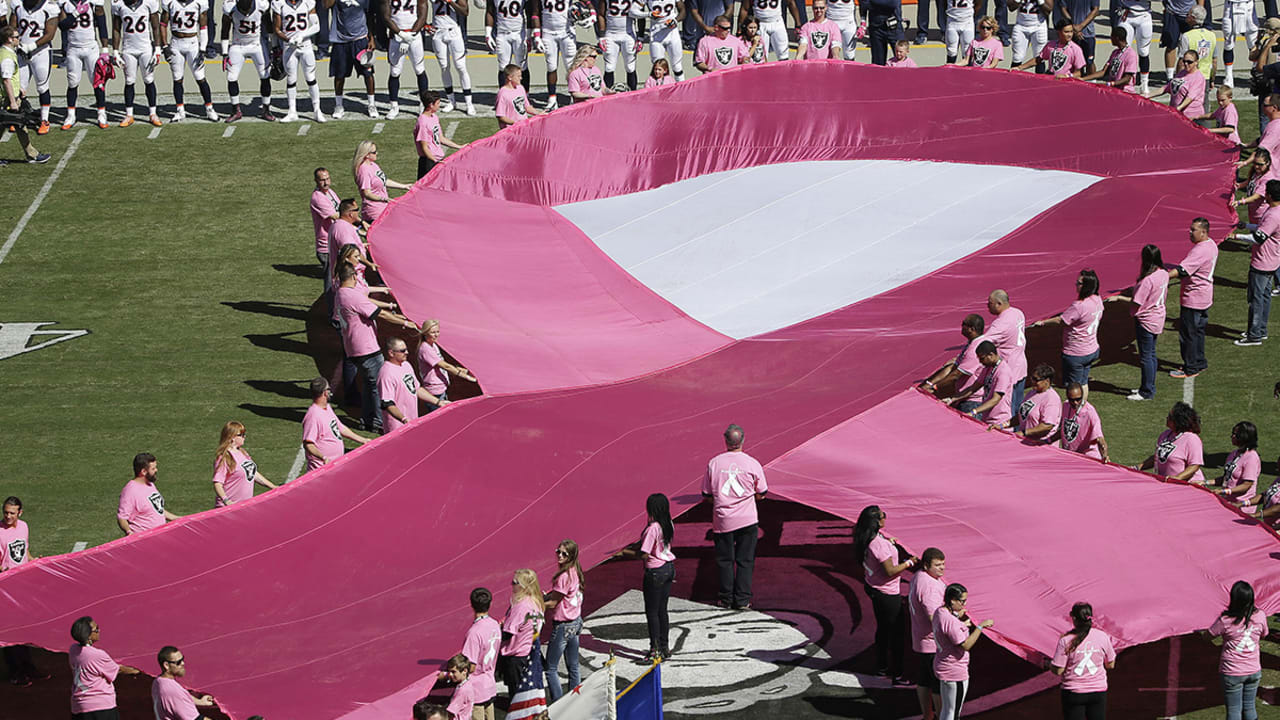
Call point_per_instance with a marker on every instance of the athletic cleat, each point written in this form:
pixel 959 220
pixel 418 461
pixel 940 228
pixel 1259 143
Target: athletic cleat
pixel 267 116
pixel 446 106
pixel 102 122
pixel 235 115
pixel 373 110
pixel 178 116
pixel 155 120
pixel 921 38
pixel 338 112
pixel 1181 374
pixel 211 114
pixel 320 118
pixel 394 111
pixel 68 124
pixel 40 159
pixel 471 110
pixel 552 104
pixel 43 129
pixel 127 121
pixel 290 116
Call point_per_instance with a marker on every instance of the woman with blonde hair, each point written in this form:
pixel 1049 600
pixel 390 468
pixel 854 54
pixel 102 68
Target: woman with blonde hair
pixel 371 181
pixel 234 472
pixel 586 82
pixel 433 368
pixel 520 658
pixel 565 603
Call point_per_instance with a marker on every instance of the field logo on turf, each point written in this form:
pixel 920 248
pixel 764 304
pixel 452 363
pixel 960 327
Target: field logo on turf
pixel 17 338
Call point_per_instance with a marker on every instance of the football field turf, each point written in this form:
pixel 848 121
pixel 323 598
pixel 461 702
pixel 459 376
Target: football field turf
pixel 188 259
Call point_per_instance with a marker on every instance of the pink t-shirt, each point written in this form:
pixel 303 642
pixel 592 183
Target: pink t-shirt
pixel 1197 286
pixel 1123 61
pixel 924 597
pixel 1243 466
pixel 1264 256
pixel 341 234
pixel 92 672
pixel 657 552
pixel 1240 644
pixel 14 543
pixel 986 53
pixel 1148 301
pixel 321 426
pixel 951 663
pixel 906 62
pixel 1008 331
pixel 513 104
pixel 878 551
pixel 1080 326
pixel 434 377
pixel 1081 430
pixel 481 647
pixel 733 480
pixel 1063 60
pixel 397 384
pixel 370 177
pixel 1175 451
pixel 324 205
pixel 465 696
pixel 653 82
pixel 237 481
pixel 587 80
pixel 1084 668
pixel 819 39
pixel 1188 85
pixel 1039 409
pixel 718 54
pixel 969 365
pixel 1270 139
pixel 756 51
pixel 141 505
pixel 998 379
pixel 1227 116
pixel 358 317
pixel 427 130
pixel 569 585
pixel 171 701
pixel 523 622
pixel 1257 185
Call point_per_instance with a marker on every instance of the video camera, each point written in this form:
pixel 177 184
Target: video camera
pixel 25 116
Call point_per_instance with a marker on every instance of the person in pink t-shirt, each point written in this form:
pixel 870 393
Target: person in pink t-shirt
pixel 1242 626
pixel 16 548
pixel 484 637
pixel 1083 657
pixel 1080 430
pixel 1240 473
pixel 428 139
pixel 141 504
pixel 1186 89
pixel 878 555
pixel 1147 297
pixel 755 43
pixel 659 74
pixel 924 597
pixel 733 483
pixel 520 630
pixel 1226 117
pixel 358 320
pixel 1080 324
pixel 1196 296
pixel 93 674
pixel 820 37
pixel 1038 416
pixel 322 431
pixel 1254 188
pixel 513 106
pixel 720 50
pixel 987 51
pixel 586 82
pixel 1264 262
pixel 995 384
pixel 424 709
pixel 654 548
pixel 1121 68
pixel 959 372
pixel 1063 58
pixel 955 635
pixel 901 56
pixel 1009 332
pixel 432 366
pixel 398 388
pixel 466 696
pixel 324 211
pixel 234 472
pixel 1266 504
pixel 564 600
pixel 372 182
pixel 169 699
pixel 1179 453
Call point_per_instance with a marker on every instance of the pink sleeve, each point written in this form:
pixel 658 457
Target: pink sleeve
pixel 319 204
pixel 472 647
pixel 761 484
pixel 575 81
pixel 511 623
pixel 219 470
pixel 1251 467
pixel 125 510
pixel 421 130
pixel 649 543
pixel 1077 57
pixel 881 549
pixel 1108 649
pixel 1072 313
pixel 702 55
pixel 1143 292
pixel 1046 52
pixel 1060 654
pixel 1195 450
pixel 958 632
pixel 1193 262
pixel 743 49
pixel 364 177
pixel 505 109
pixel 310 429
pixel 107 667
pixel 365 307
pixel 387 386
pixel 1052 413
pixel 1218 627
pixel 706 481
pixel 1004 381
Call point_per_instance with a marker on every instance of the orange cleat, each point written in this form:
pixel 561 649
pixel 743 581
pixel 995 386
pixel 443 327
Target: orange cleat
pixel 44 128
pixel 127 121
pixel 155 120
pixel 68 125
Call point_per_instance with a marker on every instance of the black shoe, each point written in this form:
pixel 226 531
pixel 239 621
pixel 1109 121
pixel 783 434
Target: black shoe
pixel 266 115
pixel 40 159
pixel 746 606
pixel 921 38
pixel 237 115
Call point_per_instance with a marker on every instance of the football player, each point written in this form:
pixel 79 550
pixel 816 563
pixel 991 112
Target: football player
pixel 244 21
pixel 295 22
pixel 136 43
pixel 553 37
pixel 37 23
pixel 509 43
pixel 405 20
pixel 617 31
pixel 187 21
pixel 86 42
pixel 664 34
pixel 448 17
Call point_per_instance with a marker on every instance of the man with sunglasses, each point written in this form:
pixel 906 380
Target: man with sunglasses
pixel 399 388
pixel 169 699
pixel 721 50
pixel 1081 429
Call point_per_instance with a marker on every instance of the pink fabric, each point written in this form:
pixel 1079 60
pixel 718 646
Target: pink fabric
pixel 171 701
pixel 986 53
pixel 587 80
pixel 399 385
pixel 1257 185
pixel 523 622
pixel 1241 649
pixel 1188 85
pixel 1081 429
pixel 92 674
pixel 924 597
pixel 878 552
pixel 369 176
pixel 733 480
pixel 324 205
pixel 1080 326
pixel 434 378
pixel 820 38
pixel 1008 331
pixel 237 480
pixel 358 318
pixel 657 552
pixel 569 585
pixel 720 54
pixel 1243 466
pixel 481 647
pixel 1041 408
pixel 15 545
pixel 1148 300
pixel 1265 255
pixel 998 379
pixel 1228 116
pixel 1063 60
pixel 1197 284
pixel 427 130
pixel 1085 667
pixel 321 426
pixel 141 505
pixel 951 663
pixel 1123 61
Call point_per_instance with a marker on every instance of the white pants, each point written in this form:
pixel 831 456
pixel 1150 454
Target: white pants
pixel 239 53
pixel 560 45
pixel 665 42
pixel 449 47
pixel 959 36
pixel 37 67
pixel 415 51
pixel 848 37
pixel 1243 23
pixel 134 59
pixel 953 693
pixel 307 56
pixel 1139 28
pixel 511 49
pixel 615 44
pixel 774 35
pixel 1037 36
pixel 186 51
pixel 80 60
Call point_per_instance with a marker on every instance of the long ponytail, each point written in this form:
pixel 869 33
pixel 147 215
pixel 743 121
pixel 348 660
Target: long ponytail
pixel 1082 618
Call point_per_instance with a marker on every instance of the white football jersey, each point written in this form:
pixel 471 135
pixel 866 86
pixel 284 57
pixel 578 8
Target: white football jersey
pixel 294 16
pixel 1139 7
pixel 135 22
pixel 81 12
pixel 184 15
pixel 509 15
pixel 1029 7
pixel 960 10
pixel 246 28
pixel 444 15
pixel 555 16
pixel 767 10
pixel 842 10
pixel 662 11
pixel 617 17
pixel 31 22
pixel 403 12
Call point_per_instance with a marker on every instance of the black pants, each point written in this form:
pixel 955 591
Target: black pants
pixel 657 591
pixel 882 32
pixel 890 631
pixel 112 714
pixel 424 166
pixel 1084 706
pixel 17 658
pixel 1191 329
pixel 736 558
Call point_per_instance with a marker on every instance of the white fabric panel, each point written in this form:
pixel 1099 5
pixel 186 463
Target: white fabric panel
pixel 750 251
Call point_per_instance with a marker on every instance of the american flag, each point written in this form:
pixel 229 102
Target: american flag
pixel 529 699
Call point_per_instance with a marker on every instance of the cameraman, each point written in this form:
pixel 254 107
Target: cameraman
pixel 13 94
pixel 1264 78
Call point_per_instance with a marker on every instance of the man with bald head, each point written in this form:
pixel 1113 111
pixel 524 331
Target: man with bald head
pixel 733 483
pixel 399 389
pixel 1009 333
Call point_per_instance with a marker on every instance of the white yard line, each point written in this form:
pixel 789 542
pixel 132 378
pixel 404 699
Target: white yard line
pixel 231 129
pixel 304 129
pixel 40 196
pixel 451 128
pixel 6 137
pixel 298 464
pixel 155 133
pixel 377 128
pixel 79 546
pixel 1189 391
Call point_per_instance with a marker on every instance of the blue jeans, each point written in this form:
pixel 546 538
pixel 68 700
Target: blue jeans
pixel 428 409
pixel 1019 391
pixel 1191 327
pixel 370 401
pixel 657 592
pixel 1147 359
pixel 1075 368
pixel 1242 694
pixel 564 642
pixel 1259 293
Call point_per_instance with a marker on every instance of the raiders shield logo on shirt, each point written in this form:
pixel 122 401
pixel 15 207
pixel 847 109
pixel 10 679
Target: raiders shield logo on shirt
pixel 435 135
pixel 157 502
pixel 724 55
pixel 333 428
pixel 980 55
pixel 518 102
pixel 819 39
pixel 1025 408
pixel 17 551
pixel 1230 467
pixel 1165 449
pixel 757 54
pixel 1113 68
pixel 1057 59
pixel 250 469
pixel 1175 85
pixel 1070 428
pixel 410 382
pixel 595 81
pixel 1269 497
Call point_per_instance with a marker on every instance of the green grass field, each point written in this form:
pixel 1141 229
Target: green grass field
pixel 189 259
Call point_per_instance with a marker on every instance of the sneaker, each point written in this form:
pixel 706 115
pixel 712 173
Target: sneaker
pixel 1004 40
pixel 4 163
pixel 394 111
pixel 267 116
pixel 552 104
pixel 41 159
pixel 127 121
pixel 154 120
pixel 102 120
pixel 1135 396
pixel 234 116
pixel 1245 334
pixel 373 110
pixel 211 114
pixel 290 116
pixel 68 124
pixel 43 129
pixel 921 38
pixel 1181 374
pixel 320 117
pixel 446 105
pixel 1275 291
pixel 471 110
pixel 1248 342
pixel 338 112
pixel 178 116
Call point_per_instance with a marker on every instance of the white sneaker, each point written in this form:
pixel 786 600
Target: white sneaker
pixel 394 111
pixel 338 112
pixel 1135 395
pixel 446 105
pixel 320 118
pixel 471 110
pixel 290 116
pixel 373 110
pixel 211 114
pixel 552 104
pixel 179 116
